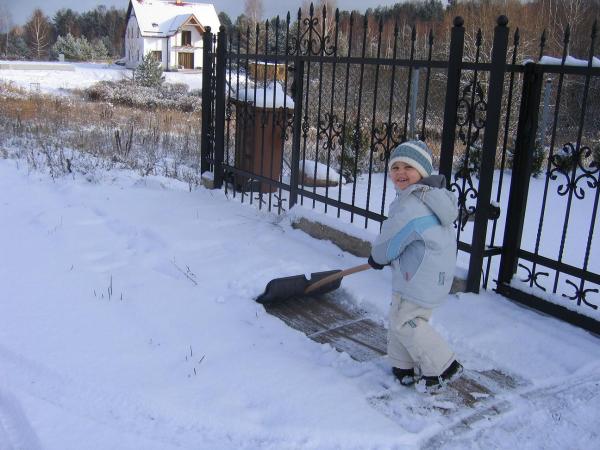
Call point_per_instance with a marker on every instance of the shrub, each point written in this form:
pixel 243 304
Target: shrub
pixel 125 92
pixel 149 73
pixel 537 161
pixel 354 141
pixel 471 166
pixel 564 160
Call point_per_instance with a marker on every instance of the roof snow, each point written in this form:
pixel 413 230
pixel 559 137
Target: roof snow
pixel 164 18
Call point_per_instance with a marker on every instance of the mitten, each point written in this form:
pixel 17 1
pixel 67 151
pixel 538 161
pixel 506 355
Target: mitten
pixel 375 265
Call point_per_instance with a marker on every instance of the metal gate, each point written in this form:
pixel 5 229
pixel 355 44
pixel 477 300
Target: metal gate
pixel 306 113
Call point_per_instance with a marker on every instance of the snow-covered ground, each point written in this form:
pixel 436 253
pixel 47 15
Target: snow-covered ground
pixel 83 76
pixel 127 321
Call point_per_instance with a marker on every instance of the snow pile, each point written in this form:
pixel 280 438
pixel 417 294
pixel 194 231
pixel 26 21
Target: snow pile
pixel 318 174
pixel 271 96
pixel 569 61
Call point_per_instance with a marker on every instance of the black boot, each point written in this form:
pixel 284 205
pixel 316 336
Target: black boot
pixel 432 384
pixel 405 376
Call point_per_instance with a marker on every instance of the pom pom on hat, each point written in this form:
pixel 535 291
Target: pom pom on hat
pixel 415 153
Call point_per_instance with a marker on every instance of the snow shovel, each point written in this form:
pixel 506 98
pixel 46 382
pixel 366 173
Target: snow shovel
pixel 319 283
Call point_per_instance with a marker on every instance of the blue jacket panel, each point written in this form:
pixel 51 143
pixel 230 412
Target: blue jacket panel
pixel 419 241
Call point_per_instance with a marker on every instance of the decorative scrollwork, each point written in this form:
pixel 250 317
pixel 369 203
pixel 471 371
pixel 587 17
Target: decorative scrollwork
pixel 331 130
pixel 471 113
pixel 284 120
pixel 260 199
pixel 568 162
pixel 279 202
pixel 532 278
pixel 357 136
pixel 386 137
pixel 464 192
pixel 471 119
pixel 580 295
pixel 311 41
pixel 305 127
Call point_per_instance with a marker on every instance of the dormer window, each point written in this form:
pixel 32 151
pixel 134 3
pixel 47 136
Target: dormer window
pixel 154 25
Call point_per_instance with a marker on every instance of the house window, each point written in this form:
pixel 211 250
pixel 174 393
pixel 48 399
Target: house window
pixel 157 55
pixel 186 38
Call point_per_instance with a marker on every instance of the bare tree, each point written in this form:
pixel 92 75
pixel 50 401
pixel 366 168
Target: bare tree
pixel 38 31
pixel 253 9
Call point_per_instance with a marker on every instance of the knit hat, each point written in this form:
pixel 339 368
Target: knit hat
pixel 414 153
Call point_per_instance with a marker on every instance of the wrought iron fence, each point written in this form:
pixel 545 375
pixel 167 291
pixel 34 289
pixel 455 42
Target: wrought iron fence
pixel 307 112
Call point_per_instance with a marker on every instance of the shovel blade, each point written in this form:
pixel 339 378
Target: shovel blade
pixel 281 289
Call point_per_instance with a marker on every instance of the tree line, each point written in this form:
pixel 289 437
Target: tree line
pixel 97 33
pixel 103 28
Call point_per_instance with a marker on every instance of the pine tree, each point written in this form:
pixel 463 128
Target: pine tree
pixel 149 73
pixel 99 50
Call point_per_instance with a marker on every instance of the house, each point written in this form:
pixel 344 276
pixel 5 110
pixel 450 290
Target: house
pixel 171 30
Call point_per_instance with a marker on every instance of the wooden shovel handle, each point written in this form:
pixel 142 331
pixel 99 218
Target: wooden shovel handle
pixel 336 276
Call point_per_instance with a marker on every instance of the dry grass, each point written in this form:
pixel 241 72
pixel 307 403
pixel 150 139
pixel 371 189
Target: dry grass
pixel 163 142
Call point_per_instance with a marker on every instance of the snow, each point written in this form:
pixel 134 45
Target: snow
pixel 169 17
pixel 569 61
pixel 141 331
pixel 271 96
pixel 83 76
pixel 127 321
pixel 319 171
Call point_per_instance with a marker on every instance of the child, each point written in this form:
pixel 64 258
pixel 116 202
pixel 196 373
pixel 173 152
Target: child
pixel 419 243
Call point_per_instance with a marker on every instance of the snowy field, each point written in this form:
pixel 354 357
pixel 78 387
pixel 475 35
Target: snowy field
pixel 127 321
pixel 83 76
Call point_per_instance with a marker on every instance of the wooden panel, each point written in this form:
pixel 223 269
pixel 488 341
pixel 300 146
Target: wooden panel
pixel 186 60
pixel 325 319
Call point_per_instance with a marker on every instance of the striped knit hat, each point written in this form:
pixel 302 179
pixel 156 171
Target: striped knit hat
pixel 414 153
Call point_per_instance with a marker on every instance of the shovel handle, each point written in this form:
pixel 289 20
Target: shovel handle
pixel 336 276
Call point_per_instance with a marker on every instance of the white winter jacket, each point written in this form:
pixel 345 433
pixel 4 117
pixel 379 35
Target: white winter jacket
pixel 419 241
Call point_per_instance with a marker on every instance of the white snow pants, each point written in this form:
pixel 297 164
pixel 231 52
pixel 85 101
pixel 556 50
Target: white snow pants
pixel 413 343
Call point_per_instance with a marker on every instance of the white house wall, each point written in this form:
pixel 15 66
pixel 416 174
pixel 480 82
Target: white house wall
pixel 133 44
pixel 151 44
pixel 137 46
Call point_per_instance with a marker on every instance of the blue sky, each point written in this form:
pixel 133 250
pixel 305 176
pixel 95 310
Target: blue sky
pixel 21 10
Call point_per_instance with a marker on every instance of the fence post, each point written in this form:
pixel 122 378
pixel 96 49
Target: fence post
pixel 521 172
pixel 220 93
pixel 207 73
pixel 298 93
pixel 457 40
pixel 488 153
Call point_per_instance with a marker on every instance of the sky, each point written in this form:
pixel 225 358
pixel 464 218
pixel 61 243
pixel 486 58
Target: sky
pixel 20 11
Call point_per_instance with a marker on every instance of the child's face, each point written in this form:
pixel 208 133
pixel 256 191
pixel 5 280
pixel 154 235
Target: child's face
pixel 403 175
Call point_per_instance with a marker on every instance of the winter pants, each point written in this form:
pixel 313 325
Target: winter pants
pixel 413 343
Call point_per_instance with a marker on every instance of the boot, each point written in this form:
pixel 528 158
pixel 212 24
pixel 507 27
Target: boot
pixel 433 384
pixel 405 376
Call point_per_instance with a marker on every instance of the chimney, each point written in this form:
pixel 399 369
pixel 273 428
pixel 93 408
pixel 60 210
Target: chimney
pixel 178 2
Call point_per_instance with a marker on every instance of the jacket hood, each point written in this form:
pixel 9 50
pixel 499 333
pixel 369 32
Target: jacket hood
pixel 432 191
